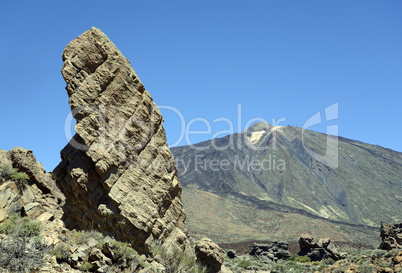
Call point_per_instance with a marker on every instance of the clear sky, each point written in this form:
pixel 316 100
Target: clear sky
pixel 277 59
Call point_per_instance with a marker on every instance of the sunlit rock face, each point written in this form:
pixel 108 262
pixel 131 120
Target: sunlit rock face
pixel 117 172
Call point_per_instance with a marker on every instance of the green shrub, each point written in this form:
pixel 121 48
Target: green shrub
pixel 100 244
pixel 244 264
pixel 364 268
pixel 82 237
pixel 19 178
pixel 86 267
pixel 321 268
pixel 6 171
pixel 302 259
pixel 9 224
pixel 61 251
pixel 30 228
pixel 328 261
pixel 123 250
pixel 278 268
pixel 342 269
pixel 385 264
pixel 392 253
pixel 175 260
pixel 378 253
pixel 21 227
pixel 22 249
pixel 292 257
pixel 292 266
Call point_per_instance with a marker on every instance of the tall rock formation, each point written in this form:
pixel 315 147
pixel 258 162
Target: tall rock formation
pixel 117 172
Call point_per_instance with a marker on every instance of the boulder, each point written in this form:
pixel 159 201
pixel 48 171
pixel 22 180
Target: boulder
pixel 276 250
pixel 210 255
pixel 319 249
pixel 117 172
pixel 391 236
pixel 24 161
pixel 231 254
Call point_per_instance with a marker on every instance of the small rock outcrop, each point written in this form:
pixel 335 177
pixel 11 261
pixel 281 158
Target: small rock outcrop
pixel 117 172
pixel 38 198
pixel 210 255
pixel 24 161
pixel 391 236
pixel 276 250
pixel 319 249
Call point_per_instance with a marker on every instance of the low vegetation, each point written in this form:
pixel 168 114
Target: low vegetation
pixel 6 171
pixel 302 259
pixel 61 251
pixel 122 251
pixel 9 173
pixel 358 260
pixel 175 260
pixel 244 264
pixel 86 267
pixel 21 250
pixel 82 237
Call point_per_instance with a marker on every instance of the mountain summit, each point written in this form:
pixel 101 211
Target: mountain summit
pixel 280 168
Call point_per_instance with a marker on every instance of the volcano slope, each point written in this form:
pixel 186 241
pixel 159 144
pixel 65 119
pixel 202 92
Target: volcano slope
pixel 308 181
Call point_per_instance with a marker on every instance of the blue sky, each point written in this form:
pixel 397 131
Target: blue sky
pixel 277 59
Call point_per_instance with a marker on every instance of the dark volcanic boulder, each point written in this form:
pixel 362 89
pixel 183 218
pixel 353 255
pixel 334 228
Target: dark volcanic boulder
pixel 231 254
pixel 276 250
pixel 318 250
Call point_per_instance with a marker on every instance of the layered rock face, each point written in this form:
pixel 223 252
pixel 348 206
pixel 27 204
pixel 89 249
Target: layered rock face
pixel 117 172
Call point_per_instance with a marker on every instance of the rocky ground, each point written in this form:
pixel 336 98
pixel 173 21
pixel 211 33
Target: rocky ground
pixel 294 248
pixel 310 255
pixel 366 261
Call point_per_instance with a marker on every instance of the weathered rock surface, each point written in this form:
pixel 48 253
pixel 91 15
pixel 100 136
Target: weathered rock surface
pixel 276 250
pixel 391 236
pixel 39 198
pixel 210 255
pixel 117 173
pixel 319 249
